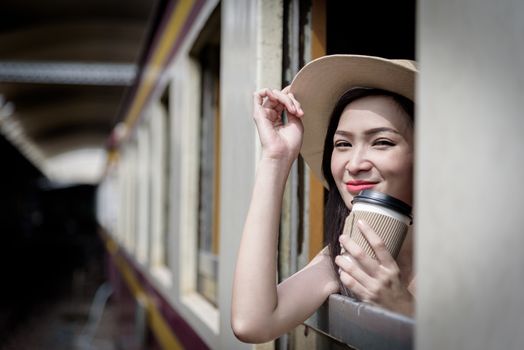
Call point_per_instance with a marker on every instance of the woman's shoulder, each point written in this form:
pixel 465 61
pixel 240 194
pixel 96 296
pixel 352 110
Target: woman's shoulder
pixel 322 266
pixel 322 258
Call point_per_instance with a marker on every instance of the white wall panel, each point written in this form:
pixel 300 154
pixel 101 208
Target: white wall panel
pixel 470 171
pixel 251 57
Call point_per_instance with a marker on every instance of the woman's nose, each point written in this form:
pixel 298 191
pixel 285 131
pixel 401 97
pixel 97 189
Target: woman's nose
pixel 358 161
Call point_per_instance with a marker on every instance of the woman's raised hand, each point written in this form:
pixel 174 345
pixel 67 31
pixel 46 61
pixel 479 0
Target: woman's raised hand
pixel 281 141
pixel 375 281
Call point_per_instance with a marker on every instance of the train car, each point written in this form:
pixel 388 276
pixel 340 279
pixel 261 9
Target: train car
pixel 183 159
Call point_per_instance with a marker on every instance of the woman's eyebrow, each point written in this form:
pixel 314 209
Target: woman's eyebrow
pixel 379 130
pixel 368 132
pixel 343 133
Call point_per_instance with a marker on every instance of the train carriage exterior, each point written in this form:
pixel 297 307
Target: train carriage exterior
pixel 182 162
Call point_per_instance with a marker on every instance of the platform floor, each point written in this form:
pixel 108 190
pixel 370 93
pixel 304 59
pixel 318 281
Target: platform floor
pixel 61 321
pixel 61 325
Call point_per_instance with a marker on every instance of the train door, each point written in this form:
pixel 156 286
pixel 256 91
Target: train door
pixel 312 29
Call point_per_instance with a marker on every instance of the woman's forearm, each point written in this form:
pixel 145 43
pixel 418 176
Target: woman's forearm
pixel 255 284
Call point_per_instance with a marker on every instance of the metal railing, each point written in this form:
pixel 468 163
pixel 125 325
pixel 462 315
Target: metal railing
pixel 361 325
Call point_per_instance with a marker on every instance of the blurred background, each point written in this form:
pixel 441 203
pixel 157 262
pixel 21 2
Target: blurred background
pixel 66 70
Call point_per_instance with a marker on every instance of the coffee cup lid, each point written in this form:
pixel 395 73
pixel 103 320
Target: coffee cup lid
pixel 385 200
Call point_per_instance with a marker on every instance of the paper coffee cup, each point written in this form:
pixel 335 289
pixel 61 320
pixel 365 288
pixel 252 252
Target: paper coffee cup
pixel 389 217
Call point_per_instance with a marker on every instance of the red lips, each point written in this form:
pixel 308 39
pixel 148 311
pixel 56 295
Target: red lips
pixel 355 186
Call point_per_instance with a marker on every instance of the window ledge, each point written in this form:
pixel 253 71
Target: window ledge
pixel 362 325
pixel 203 310
pixel 163 275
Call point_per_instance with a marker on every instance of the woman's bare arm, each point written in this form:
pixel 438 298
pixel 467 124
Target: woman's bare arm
pixel 261 311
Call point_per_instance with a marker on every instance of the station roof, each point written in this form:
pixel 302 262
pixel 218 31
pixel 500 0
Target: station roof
pixel 66 69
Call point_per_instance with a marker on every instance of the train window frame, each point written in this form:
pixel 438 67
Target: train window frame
pixel 206 54
pixel 123 195
pixel 306 26
pixel 187 86
pixel 143 172
pixel 131 227
pixel 158 126
pixel 186 207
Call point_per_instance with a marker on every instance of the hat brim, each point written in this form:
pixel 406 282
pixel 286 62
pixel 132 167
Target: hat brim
pixel 319 85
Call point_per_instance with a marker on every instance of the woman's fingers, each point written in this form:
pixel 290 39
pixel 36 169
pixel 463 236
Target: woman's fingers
pixel 258 97
pixel 279 139
pixel 278 100
pixel 266 107
pixel 353 268
pixel 352 284
pixel 283 98
pixel 377 244
pixel 368 264
pixel 377 281
pixel 298 108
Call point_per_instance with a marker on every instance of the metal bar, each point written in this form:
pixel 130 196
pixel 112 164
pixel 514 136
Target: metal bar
pixel 361 325
pixel 73 73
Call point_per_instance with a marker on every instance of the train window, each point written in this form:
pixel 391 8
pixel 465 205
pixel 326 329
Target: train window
pixel 166 171
pixel 107 195
pixel 314 29
pixel 123 184
pixel 143 198
pixel 209 176
pixel 159 167
pixel 131 196
pixel 206 53
pixel 392 34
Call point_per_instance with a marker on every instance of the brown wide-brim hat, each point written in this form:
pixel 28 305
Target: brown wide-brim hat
pixel 319 85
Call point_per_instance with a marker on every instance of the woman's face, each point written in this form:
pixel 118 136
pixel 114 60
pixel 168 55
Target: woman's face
pixel 373 149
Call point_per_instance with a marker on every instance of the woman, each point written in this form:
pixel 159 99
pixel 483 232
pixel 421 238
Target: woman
pixel 354 127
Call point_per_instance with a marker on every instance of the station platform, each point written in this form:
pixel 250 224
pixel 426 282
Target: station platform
pixel 85 318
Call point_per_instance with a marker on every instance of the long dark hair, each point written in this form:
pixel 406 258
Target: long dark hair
pixel 336 211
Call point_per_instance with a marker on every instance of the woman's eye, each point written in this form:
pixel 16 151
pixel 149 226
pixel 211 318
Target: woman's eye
pixel 383 142
pixel 342 144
